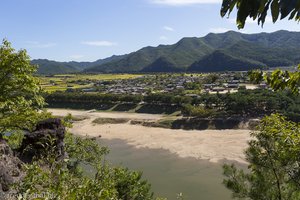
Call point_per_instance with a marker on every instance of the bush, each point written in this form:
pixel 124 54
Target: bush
pixel 197 111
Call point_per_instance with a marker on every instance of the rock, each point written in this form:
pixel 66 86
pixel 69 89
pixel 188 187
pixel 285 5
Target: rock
pixel 47 132
pixel 10 168
pixel 15 173
pixel 5 149
pixel 5 178
pixel 48 135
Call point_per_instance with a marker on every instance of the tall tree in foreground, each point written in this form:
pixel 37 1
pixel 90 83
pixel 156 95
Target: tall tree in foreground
pixel 274 169
pixel 20 93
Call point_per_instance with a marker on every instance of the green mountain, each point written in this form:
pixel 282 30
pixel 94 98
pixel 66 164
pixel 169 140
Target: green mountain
pixel 214 52
pixel 49 67
pixel 219 60
pixel 52 67
pixel 183 54
pixel 162 64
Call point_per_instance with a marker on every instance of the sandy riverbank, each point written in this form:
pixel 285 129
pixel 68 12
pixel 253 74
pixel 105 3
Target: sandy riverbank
pixel 212 145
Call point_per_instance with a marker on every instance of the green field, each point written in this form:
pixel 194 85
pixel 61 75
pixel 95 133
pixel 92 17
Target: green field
pixel 65 81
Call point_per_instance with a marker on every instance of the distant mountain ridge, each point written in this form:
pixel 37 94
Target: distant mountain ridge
pixel 213 52
pixel 46 67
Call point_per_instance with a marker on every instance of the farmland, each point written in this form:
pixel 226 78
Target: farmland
pixel 78 81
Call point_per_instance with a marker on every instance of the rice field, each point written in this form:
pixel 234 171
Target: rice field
pixel 78 81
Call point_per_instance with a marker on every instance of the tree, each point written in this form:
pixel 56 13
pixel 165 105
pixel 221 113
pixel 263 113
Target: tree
pixel 258 9
pixel 278 79
pixel 274 169
pixel 20 93
pixel 211 78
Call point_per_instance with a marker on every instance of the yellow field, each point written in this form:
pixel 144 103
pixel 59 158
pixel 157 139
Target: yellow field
pixel 98 76
pixel 63 82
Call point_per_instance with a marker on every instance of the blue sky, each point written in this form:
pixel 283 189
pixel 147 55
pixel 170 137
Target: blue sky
pixel 87 30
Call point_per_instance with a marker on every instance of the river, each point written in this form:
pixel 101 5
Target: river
pixel 169 174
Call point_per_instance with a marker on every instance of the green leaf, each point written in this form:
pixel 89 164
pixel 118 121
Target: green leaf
pixel 275 10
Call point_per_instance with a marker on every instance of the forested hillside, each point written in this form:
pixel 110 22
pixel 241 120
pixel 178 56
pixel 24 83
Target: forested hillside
pixel 49 67
pixel 214 52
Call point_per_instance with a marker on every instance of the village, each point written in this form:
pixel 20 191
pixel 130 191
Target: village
pixel 188 84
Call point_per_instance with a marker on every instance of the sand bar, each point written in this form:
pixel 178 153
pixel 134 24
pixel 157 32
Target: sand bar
pixel 211 145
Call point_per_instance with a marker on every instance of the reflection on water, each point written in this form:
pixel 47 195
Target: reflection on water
pixel 169 174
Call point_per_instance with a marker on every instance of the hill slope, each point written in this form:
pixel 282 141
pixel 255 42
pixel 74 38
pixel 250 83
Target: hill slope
pixel 52 67
pixel 162 64
pixel 48 67
pixel 219 60
pixel 214 52
pixel 256 50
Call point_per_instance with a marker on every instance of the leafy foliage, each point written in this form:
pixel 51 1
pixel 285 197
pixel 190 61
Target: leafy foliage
pixel 274 171
pixel 20 95
pixel 15 139
pixel 279 79
pixel 259 10
pixel 197 111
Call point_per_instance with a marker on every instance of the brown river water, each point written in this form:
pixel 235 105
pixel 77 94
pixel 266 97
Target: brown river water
pixel 169 174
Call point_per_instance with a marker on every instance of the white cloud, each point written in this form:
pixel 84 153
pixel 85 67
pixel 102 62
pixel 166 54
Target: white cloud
pixel 183 2
pixel 218 30
pixel 76 56
pixel 99 43
pixel 36 44
pixel 163 37
pixel 168 28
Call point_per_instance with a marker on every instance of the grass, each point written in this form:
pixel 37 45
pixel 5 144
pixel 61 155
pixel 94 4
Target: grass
pixel 175 114
pixel 111 121
pixel 78 118
pixel 75 118
pixel 166 123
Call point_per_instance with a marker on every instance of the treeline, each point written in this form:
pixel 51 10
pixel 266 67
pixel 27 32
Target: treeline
pixel 244 103
pixel 80 97
pixel 77 97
